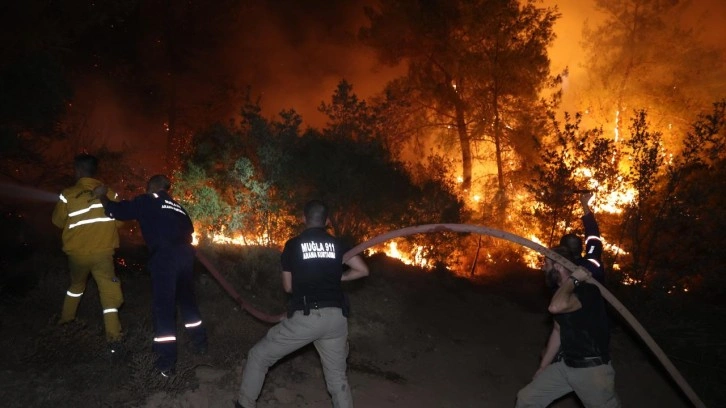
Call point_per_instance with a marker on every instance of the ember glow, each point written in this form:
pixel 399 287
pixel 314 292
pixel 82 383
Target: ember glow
pixel 627 280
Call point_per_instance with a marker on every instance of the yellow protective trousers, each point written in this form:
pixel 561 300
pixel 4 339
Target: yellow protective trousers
pixel 100 266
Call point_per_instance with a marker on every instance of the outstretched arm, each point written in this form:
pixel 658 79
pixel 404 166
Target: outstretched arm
pixel 358 269
pixel 101 192
pixel 585 200
pixel 120 210
pixel 593 240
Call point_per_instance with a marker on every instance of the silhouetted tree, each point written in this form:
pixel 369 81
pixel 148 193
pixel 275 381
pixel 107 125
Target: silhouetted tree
pixel 688 253
pixel 642 57
pixel 473 67
pixel 575 159
pixel 646 159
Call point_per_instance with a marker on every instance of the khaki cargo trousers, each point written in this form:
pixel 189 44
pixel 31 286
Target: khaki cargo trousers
pixel 326 328
pixel 595 386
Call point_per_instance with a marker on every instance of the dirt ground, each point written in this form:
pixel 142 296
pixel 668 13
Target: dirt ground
pixel 417 339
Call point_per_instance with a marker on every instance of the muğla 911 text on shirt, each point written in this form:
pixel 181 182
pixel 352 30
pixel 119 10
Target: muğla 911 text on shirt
pixel 318 250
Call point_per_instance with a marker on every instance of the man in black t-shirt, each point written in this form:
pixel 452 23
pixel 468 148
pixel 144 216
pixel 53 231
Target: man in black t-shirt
pixel 312 271
pixel 577 356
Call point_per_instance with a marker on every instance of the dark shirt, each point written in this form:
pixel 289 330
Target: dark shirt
pixel 315 260
pixel 584 332
pixel 163 222
pixel 592 261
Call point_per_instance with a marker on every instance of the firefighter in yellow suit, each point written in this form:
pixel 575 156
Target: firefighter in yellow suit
pixel 89 239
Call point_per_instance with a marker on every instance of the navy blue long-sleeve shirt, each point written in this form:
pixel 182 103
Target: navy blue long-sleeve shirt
pixel 592 260
pixel 163 222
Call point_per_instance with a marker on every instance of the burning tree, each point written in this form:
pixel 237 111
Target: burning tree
pixel 249 180
pixel 574 160
pixel 230 180
pixel 661 228
pixel 645 175
pixel 686 246
pixel 642 57
pixel 474 67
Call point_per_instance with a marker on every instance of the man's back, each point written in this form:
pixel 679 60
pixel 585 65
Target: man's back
pixel 86 229
pixel 315 259
pixel 163 221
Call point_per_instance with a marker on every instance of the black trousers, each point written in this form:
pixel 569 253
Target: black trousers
pixel 172 282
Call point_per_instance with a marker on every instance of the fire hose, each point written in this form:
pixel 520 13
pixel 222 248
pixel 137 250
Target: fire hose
pixel 466 228
pixel 230 290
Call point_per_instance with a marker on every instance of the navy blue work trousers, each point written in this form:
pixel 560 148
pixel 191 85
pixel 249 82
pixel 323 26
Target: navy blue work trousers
pixel 172 282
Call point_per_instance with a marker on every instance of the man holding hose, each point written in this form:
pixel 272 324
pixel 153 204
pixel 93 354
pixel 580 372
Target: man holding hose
pixel 577 356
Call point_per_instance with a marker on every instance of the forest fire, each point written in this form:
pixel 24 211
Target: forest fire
pixel 531 258
pixel 221 238
pixel 413 254
pixel 415 258
pixel 390 249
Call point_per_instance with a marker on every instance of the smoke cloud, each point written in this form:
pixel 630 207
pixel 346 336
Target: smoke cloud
pixel 293 54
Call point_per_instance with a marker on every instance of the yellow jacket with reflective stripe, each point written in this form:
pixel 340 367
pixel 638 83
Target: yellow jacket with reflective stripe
pixel 86 228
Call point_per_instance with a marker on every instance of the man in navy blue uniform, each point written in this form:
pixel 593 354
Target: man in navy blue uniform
pixel 167 230
pixel 592 260
pixel 312 271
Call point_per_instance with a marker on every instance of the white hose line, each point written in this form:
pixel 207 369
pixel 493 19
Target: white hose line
pixel 466 228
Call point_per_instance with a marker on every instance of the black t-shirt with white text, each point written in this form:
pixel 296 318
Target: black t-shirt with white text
pixel 315 260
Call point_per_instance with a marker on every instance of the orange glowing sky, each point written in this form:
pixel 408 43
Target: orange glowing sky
pixel 294 54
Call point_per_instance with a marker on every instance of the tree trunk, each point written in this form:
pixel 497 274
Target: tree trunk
pixel 465 142
pixel 501 198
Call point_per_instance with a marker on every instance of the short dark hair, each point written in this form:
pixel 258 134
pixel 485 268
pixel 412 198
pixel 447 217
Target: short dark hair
pixel 160 182
pixel 573 243
pixel 564 252
pixel 316 213
pixel 86 164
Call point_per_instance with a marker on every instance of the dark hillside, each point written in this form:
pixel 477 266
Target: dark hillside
pixel 423 339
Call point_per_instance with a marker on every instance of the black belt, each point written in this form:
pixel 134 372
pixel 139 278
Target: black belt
pixel 307 306
pixel 586 362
